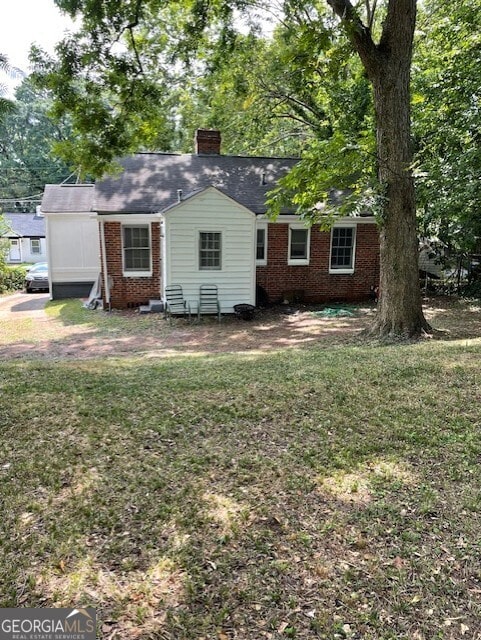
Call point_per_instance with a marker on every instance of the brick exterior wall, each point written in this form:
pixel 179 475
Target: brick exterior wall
pixel 309 283
pixel 130 292
pixel 313 282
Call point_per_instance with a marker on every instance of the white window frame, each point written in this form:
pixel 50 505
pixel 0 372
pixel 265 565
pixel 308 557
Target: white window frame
pixel 200 267
pixel 343 270
pixel 38 250
pixel 130 273
pixel 262 226
pixel 299 261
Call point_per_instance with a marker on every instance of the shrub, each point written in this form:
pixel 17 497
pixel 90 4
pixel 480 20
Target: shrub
pixel 12 278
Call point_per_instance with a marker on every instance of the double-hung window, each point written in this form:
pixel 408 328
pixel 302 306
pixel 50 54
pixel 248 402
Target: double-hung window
pixel 210 250
pixel 34 246
pixel 136 248
pixel 299 239
pixel 343 242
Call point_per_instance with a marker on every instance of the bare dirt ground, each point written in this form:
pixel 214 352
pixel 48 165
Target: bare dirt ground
pixel 41 335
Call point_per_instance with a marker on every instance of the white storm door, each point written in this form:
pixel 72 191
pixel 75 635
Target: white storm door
pixel 15 254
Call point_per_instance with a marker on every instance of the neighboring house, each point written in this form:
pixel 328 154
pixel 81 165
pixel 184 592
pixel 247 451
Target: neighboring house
pixel 201 219
pixel 26 236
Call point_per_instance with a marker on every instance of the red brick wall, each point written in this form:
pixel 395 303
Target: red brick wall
pixel 130 292
pixel 313 282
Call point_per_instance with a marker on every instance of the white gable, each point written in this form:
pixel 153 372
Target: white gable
pixel 210 211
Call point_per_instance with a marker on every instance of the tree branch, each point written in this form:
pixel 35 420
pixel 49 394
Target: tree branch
pixel 291 116
pixel 283 97
pixel 358 33
pixel 398 28
pixel 130 28
pixel 370 12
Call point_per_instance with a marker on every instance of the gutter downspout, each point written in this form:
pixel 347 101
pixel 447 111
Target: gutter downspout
pixel 161 257
pixel 104 265
pixel 49 255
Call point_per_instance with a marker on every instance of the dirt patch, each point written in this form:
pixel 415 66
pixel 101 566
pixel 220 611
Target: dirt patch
pixel 276 328
pixel 272 329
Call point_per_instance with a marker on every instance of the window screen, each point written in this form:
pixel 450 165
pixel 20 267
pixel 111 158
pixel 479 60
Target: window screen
pixel 261 244
pixel 298 249
pixel 342 248
pixel 136 248
pixel 209 250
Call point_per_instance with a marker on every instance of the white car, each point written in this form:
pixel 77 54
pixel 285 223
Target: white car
pixel 37 278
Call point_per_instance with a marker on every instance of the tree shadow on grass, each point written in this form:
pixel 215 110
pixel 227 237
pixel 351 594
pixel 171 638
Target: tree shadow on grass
pixel 459 319
pixel 241 497
pixel 78 333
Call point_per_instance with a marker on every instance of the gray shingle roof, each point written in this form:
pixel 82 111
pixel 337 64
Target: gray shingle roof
pixel 67 198
pixel 25 225
pixel 150 181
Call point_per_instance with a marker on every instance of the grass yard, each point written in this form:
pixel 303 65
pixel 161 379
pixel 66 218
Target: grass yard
pixel 313 489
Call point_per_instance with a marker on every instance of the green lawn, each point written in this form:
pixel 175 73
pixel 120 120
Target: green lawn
pixel 326 492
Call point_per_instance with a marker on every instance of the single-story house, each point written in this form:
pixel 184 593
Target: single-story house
pixel 194 219
pixel 26 237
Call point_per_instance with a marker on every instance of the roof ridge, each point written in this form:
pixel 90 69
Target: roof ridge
pixel 210 155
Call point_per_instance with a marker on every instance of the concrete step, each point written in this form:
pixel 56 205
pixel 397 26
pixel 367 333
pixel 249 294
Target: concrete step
pixel 145 308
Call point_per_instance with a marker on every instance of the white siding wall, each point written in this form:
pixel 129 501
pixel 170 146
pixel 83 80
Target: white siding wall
pixel 21 251
pixel 28 256
pixel 214 212
pixel 73 247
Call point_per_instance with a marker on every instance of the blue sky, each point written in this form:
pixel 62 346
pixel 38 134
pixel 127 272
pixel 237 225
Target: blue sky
pixel 27 21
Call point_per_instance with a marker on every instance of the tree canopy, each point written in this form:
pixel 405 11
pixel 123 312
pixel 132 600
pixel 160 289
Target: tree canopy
pixel 447 122
pixel 28 137
pixel 145 74
pixel 6 105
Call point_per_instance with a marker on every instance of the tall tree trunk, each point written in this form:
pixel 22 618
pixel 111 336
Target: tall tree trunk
pixel 400 306
pixel 388 65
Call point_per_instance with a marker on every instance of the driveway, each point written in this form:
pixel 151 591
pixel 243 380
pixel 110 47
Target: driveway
pixel 23 305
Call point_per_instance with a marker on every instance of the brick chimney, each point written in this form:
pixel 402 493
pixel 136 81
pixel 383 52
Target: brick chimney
pixel 207 142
